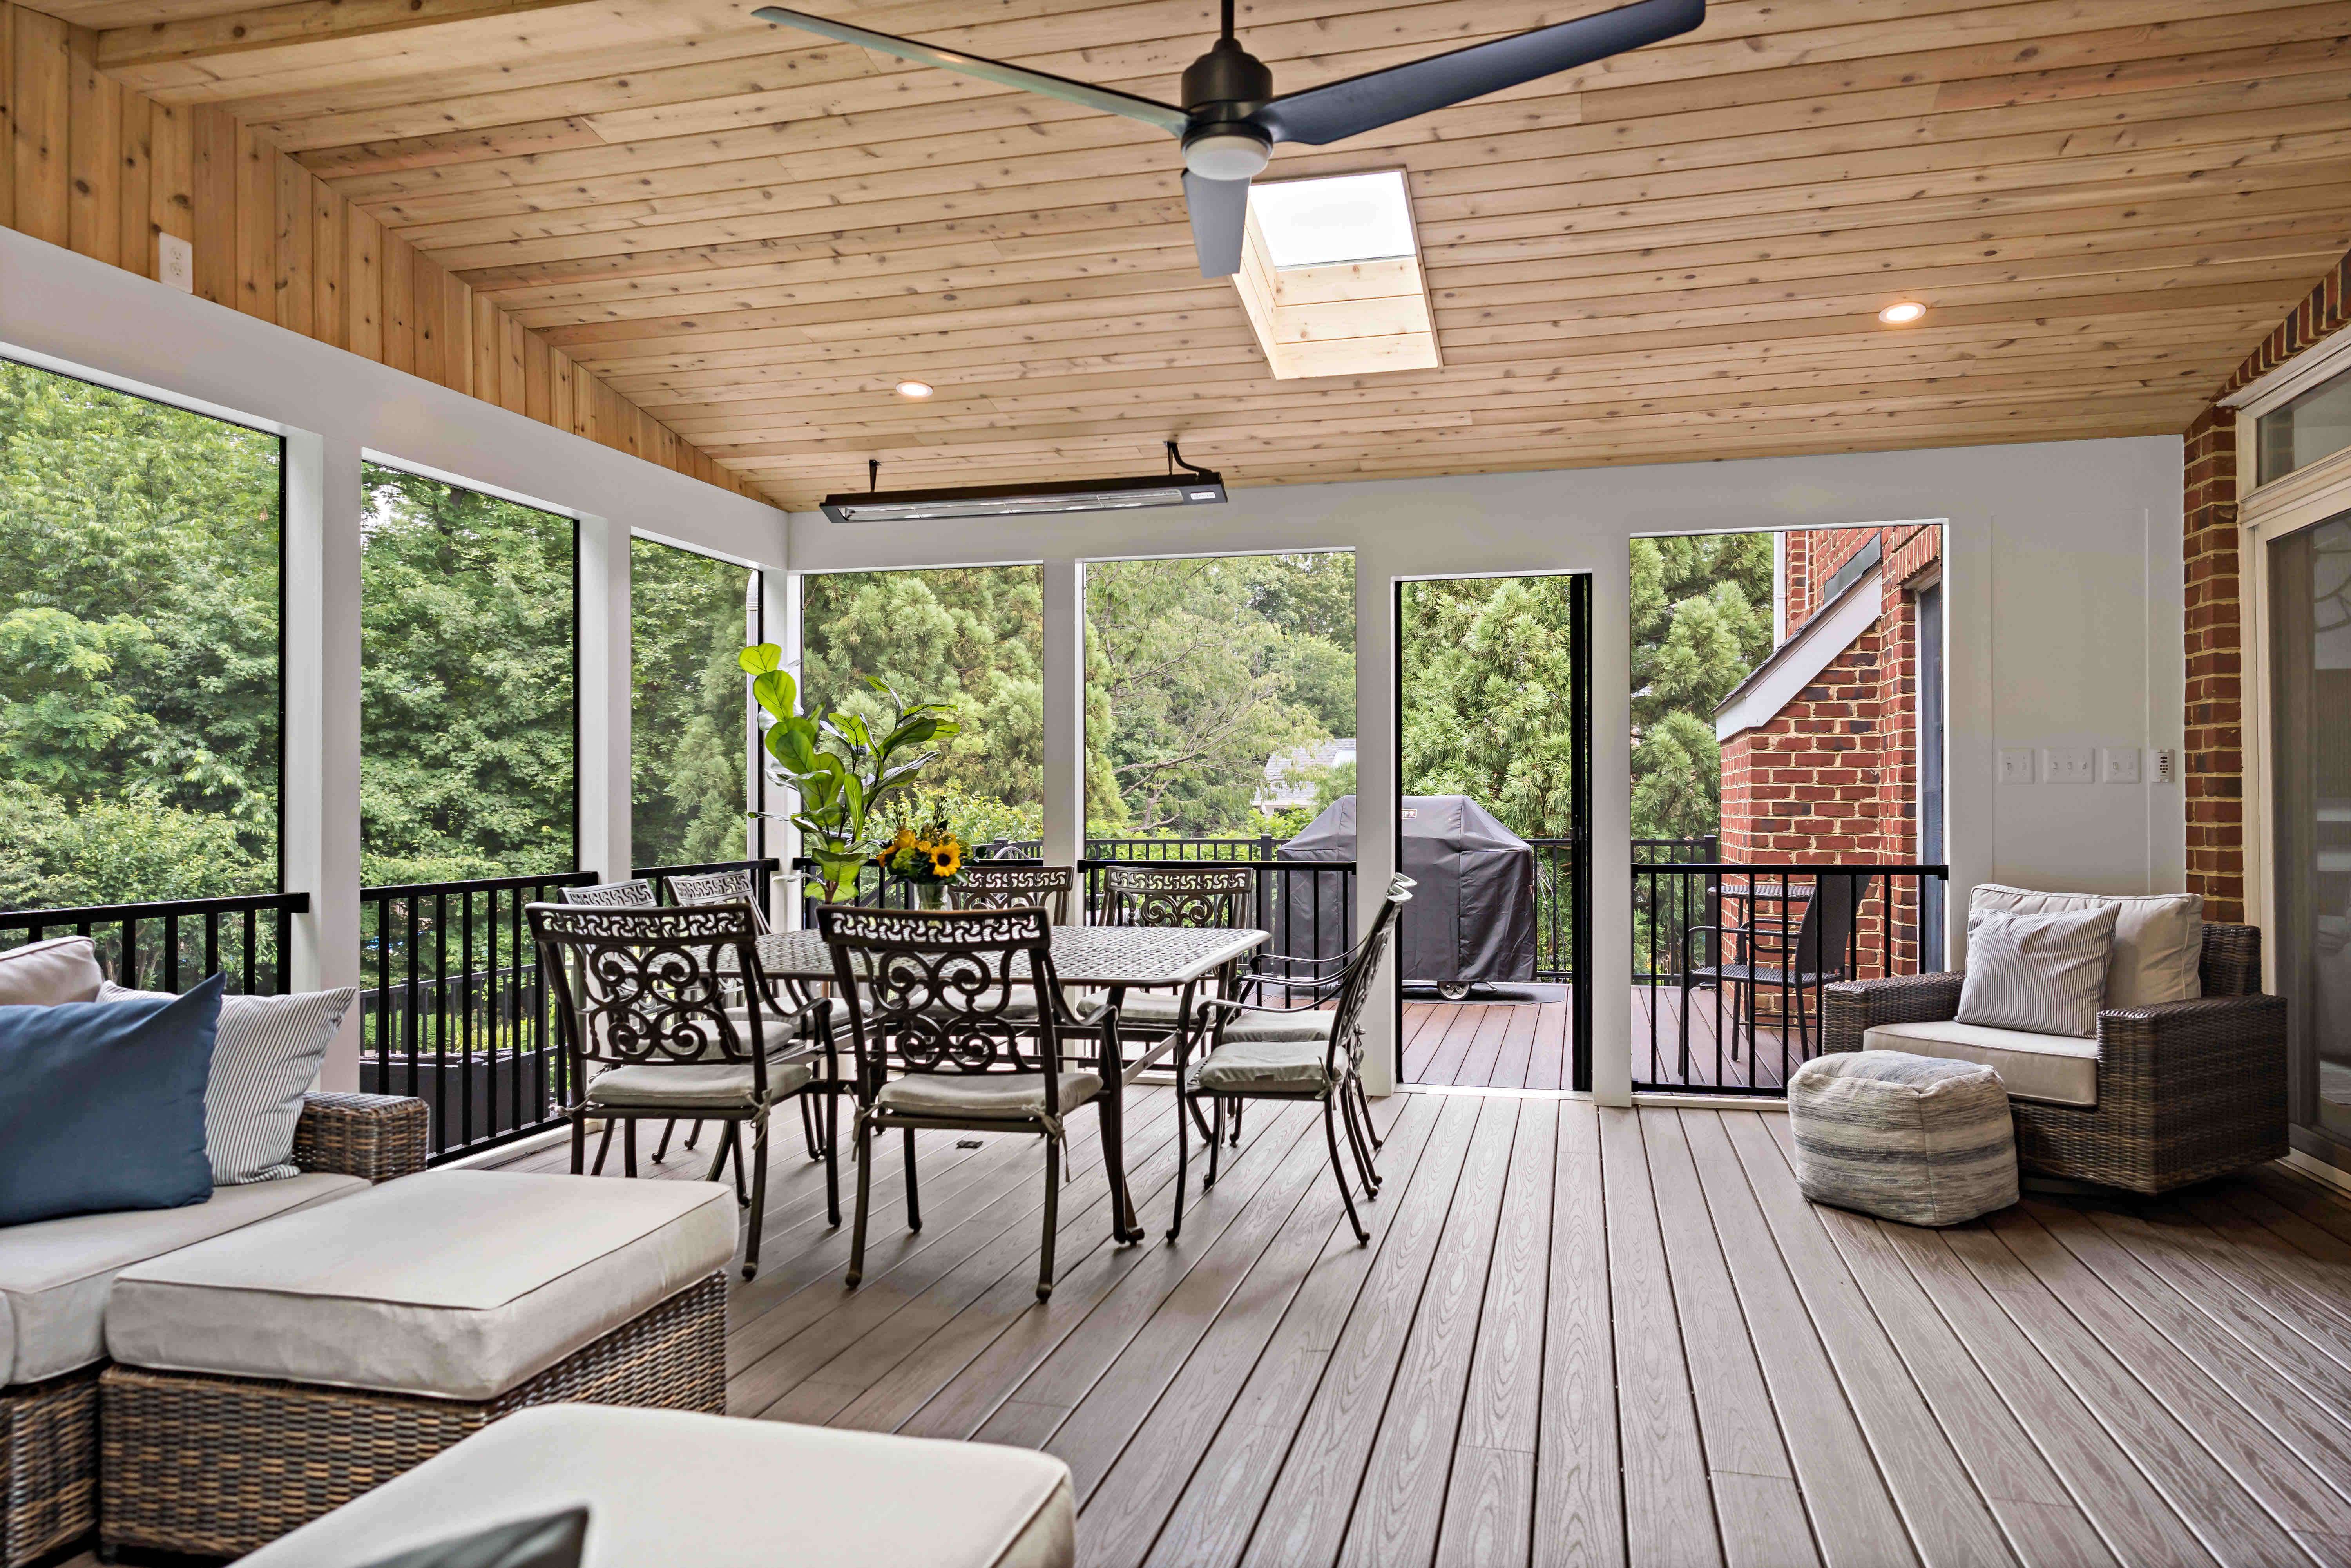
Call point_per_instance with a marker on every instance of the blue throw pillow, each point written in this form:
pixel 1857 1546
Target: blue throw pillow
pixel 102 1105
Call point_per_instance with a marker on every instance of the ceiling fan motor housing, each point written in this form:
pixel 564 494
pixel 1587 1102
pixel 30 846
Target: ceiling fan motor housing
pixel 1221 90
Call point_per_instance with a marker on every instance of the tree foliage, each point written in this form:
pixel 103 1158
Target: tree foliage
pixel 1701 614
pixel 686 711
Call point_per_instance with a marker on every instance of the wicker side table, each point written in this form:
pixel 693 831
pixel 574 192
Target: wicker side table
pixel 222 1466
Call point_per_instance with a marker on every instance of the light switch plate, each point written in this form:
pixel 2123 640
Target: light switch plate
pixel 2066 765
pixel 2119 765
pixel 2016 765
pixel 176 262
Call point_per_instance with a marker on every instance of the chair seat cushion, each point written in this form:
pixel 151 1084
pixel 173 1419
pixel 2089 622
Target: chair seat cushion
pixel 718 1086
pixel 1137 1010
pixel 452 1283
pixel 1265 1066
pixel 1915 1139
pixel 2051 1069
pixel 987 1096
pixel 667 1486
pixel 55 1275
pixel 1298 1024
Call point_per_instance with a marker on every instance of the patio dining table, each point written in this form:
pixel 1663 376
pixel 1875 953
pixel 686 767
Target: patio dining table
pixel 1110 959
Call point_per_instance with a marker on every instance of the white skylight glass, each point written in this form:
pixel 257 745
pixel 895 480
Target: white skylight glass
pixel 1320 223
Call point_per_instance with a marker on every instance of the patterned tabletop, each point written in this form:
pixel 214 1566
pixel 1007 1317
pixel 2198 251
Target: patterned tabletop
pixel 1094 956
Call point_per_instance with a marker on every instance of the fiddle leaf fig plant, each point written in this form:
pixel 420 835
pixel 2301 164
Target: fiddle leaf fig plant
pixel 842 769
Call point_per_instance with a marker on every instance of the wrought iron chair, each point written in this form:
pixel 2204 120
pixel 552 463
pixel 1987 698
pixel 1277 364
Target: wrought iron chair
pixel 811 1014
pixel 1315 1053
pixel 1770 956
pixel 1186 895
pixel 635 893
pixel 719 887
pixel 984 886
pixel 650 1008
pixel 929 993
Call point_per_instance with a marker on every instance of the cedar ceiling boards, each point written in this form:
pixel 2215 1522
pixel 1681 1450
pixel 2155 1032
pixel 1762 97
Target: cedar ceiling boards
pixel 1675 254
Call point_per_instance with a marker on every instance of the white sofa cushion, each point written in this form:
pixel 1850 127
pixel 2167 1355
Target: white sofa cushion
pixel 266 1057
pixel 55 1275
pixel 2158 938
pixel 669 1485
pixel 44 973
pixel 454 1283
pixel 2053 1069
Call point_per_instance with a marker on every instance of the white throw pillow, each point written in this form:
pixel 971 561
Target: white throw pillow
pixel 2158 938
pixel 264 1060
pixel 44 973
pixel 2043 974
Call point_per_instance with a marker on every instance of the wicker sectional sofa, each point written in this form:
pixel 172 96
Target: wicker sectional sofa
pixel 2185 1091
pixel 54 1281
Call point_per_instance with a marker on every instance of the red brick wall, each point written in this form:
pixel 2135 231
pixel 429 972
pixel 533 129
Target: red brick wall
pixel 1833 776
pixel 2213 769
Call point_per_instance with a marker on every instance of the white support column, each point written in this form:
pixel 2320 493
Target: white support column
pixel 1611 794
pixel 1065 714
pixel 1376 771
pixel 783 622
pixel 319 787
pixel 604 760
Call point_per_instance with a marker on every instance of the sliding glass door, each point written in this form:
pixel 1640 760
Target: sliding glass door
pixel 2310 739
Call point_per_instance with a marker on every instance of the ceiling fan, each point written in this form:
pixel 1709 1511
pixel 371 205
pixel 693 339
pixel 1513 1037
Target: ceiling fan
pixel 1231 119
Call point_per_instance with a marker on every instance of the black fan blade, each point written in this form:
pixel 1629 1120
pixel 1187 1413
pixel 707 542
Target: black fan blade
pixel 1219 216
pixel 1166 116
pixel 1343 108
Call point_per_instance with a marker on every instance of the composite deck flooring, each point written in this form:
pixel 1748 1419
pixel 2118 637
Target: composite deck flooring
pixel 1583 1335
pixel 1524 1044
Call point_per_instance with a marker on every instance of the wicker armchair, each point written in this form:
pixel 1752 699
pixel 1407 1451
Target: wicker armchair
pixel 48 1430
pixel 2186 1091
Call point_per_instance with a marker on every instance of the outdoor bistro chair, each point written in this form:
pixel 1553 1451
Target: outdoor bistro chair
pixel 1264 1052
pixel 1770 959
pixel 930 993
pixel 650 1008
pixel 984 886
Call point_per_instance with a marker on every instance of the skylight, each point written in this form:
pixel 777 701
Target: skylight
pixel 1330 277
pixel 1350 217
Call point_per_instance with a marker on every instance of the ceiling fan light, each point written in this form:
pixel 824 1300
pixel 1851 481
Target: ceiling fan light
pixel 1226 152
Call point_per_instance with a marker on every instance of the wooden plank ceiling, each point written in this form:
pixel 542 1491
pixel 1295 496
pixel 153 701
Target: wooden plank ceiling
pixel 1677 254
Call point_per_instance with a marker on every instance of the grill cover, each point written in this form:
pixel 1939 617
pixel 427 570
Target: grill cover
pixel 1472 916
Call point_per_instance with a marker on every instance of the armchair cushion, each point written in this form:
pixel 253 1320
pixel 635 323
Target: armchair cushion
pixel 43 974
pixel 2053 1069
pixel 2045 974
pixel 2158 937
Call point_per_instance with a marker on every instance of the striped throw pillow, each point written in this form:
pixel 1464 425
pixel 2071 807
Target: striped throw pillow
pixel 264 1058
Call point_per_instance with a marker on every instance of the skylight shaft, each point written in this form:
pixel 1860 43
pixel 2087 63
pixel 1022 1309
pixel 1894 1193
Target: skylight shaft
pixel 1330 222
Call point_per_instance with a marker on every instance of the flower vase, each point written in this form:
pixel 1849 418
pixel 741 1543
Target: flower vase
pixel 930 894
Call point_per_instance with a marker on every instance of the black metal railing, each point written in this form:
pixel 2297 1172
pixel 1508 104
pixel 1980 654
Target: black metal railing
pixel 168 944
pixel 454 1009
pixel 1732 958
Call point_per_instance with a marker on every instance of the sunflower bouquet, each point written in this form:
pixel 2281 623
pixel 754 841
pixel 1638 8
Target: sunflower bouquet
pixel 929 858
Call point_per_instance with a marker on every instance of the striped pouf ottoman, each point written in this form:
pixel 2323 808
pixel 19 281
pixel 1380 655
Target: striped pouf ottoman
pixel 1918 1139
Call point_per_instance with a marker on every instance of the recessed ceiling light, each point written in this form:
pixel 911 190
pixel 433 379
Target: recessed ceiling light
pixel 915 388
pixel 1902 313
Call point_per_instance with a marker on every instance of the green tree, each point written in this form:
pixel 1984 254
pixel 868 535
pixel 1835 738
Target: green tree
pixel 466 683
pixel 1489 679
pixel 686 707
pixel 1702 617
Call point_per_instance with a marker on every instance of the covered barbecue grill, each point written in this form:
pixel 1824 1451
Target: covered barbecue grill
pixel 1472 916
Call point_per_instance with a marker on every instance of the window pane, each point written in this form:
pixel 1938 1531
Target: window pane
pixel 971 636
pixel 139 648
pixel 686 713
pixel 467 612
pixel 1216 690
pixel 2314 426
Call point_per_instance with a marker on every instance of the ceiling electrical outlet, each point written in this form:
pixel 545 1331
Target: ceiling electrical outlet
pixel 175 263
pixel 2016 765
pixel 2119 765
pixel 2066 765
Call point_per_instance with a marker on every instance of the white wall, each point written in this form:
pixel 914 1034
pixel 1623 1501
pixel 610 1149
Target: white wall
pixel 334 409
pixel 2062 567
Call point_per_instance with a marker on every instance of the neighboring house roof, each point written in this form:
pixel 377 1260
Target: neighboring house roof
pixel 1289 776
pixel 1798 661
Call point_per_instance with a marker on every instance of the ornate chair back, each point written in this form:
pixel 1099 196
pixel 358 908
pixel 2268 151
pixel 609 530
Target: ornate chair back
pixel 1355 980
pixel 634 894
pixel 1179 896
pixel 984 886
pixel 735 886
pixel 932 990
pixel 649 989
